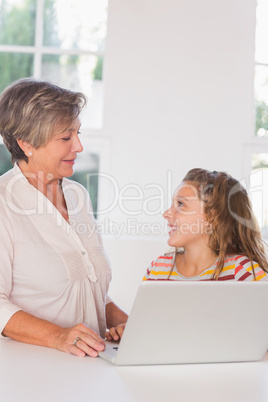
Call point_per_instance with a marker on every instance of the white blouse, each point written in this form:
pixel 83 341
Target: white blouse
pixel 49 268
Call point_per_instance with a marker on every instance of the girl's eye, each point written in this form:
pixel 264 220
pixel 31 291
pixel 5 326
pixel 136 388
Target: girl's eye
pixel 66 138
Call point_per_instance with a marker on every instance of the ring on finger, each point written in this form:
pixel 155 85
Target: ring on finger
pixel 76 340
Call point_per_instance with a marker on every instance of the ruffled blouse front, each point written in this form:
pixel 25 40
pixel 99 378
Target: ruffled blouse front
pixel 50 268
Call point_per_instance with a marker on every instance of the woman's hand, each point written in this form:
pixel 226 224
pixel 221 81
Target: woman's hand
pixel 115 333
pixel 80 341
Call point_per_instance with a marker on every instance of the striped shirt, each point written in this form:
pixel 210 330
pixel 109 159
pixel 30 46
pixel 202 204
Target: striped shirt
pixel 236 268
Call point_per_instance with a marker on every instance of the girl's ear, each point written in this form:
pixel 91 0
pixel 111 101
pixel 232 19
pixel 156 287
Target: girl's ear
pixel 26 147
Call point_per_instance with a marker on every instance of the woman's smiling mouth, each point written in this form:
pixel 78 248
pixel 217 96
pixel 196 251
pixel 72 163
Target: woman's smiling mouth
pixel 69 161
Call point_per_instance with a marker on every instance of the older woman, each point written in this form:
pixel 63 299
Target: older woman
pixel 54 278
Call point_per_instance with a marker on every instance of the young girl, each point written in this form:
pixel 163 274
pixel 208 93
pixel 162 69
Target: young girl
pixel 213 232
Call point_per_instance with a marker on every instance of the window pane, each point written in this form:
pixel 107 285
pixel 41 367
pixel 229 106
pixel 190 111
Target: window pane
pixel 79 73
pixel 17 22
pixel 262 32
pixel 5 160
pixel 14 66
pixel 261 99
pixel 86 173
pixel 259 190
pixel 76 24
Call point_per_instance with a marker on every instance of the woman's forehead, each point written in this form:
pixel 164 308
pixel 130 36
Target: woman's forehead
pixel 72 126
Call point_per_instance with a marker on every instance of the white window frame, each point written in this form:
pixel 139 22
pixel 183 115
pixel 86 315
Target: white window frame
pixel 38 50
pixel 255 146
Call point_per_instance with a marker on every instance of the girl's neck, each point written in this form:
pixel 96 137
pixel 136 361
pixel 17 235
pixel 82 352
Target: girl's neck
pixel 193 262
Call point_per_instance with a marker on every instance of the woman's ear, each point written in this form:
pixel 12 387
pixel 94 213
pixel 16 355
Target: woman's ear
pixel 26 147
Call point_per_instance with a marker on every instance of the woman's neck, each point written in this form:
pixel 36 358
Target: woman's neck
pixel 39 179
pixel 52 189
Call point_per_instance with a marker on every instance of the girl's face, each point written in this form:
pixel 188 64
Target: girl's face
pixel 186 219
pixel 57 158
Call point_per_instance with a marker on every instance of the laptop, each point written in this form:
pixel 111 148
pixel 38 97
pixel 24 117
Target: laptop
pixel 194 322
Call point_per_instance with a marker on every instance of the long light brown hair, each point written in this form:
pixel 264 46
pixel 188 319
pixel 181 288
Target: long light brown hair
pixel 228 209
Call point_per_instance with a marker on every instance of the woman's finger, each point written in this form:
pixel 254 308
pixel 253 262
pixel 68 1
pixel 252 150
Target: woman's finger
pixel 75 350
pixel 83 347
pixel 89 345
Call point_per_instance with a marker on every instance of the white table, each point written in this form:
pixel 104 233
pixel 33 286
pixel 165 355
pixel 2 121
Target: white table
pixel 36 374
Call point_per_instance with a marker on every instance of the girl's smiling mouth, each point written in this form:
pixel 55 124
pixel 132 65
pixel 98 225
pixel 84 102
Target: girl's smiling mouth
pixel 172 228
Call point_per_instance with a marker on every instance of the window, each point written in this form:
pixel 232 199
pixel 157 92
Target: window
pixel 59 40
pixel 261 69
pixel 62 41
pixel 259 190
pixel 256 151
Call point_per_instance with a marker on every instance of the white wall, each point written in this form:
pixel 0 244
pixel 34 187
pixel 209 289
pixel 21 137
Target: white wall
pixel 178 94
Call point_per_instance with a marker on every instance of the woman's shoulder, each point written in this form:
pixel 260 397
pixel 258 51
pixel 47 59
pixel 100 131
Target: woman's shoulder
pixel 74 188
pixel 72 183
pixel 5 177
pixel 7 182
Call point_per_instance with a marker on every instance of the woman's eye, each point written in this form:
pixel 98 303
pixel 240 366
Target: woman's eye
pixel 66 138
pixel 180 204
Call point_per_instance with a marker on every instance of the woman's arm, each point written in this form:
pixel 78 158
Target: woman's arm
pixel 116 320
pixel 27 328
pixel 24 327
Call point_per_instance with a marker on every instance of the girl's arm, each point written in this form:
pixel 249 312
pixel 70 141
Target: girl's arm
pixel 116 320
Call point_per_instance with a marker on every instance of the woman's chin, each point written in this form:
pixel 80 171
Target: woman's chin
pixel 68 172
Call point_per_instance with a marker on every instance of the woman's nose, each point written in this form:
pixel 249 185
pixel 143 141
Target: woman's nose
pixel 77 146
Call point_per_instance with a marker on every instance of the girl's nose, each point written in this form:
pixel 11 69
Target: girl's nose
pixel 167 213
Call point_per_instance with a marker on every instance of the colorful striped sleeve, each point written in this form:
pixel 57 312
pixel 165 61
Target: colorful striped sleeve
pixel 160 268
pixel 244 271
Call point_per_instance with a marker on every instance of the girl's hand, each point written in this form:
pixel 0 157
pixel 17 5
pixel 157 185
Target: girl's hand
pixel 115 333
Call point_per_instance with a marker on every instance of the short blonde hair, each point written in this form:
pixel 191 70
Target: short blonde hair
pixel 33 111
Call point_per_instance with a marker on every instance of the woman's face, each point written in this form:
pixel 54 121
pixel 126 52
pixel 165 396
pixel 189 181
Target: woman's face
pixel 56 159
pixel 186 219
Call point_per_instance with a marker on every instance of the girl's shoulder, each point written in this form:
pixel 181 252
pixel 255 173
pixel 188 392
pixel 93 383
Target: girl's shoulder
pixel 167 258
pixel 161 267
pixel 242 268
pixel 238 260
pixel 164 258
